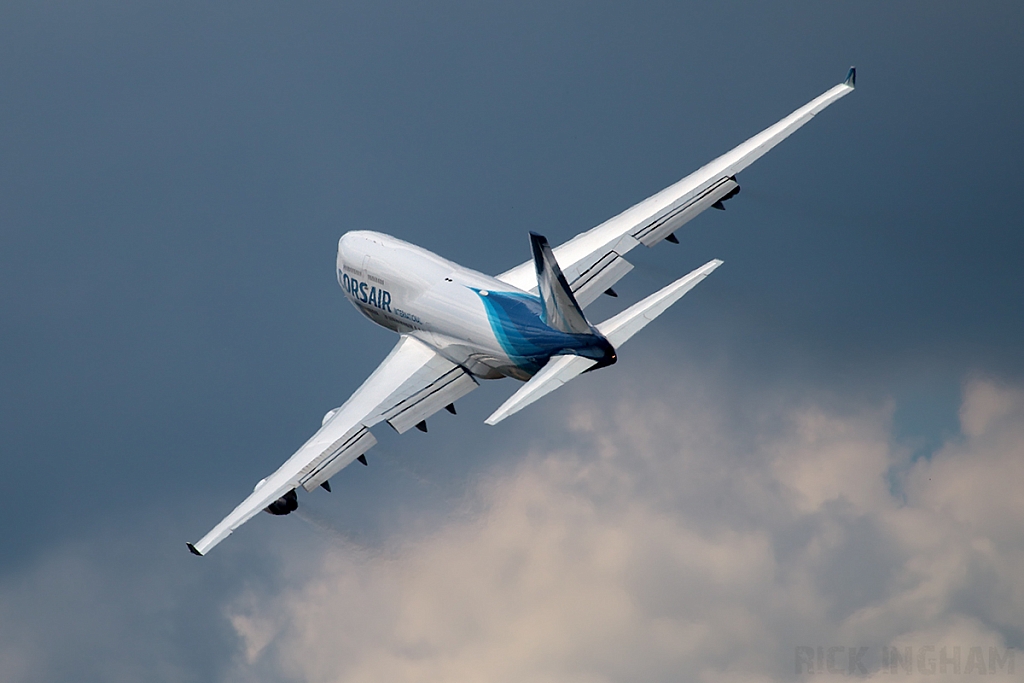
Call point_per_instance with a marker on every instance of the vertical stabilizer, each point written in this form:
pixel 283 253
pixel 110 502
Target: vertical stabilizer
pixel 561 311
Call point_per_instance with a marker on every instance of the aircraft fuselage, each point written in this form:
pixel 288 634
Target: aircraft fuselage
pixel 479 322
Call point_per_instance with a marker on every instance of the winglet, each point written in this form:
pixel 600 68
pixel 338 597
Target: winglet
pixel 851 78
pixel 193 549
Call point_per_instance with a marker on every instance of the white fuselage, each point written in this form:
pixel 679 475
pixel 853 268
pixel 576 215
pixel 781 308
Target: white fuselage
pixel 487 326
pixel 411 290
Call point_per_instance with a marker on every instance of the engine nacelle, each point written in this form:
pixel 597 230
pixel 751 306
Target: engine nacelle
pixel 284 505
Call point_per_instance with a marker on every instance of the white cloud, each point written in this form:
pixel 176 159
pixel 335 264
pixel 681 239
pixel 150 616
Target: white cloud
pixel 672 538
pixel 662 547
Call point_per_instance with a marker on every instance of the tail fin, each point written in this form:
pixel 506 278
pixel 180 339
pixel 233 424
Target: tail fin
pixel 561 310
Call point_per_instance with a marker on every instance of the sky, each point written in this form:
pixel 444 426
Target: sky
pixel 818 447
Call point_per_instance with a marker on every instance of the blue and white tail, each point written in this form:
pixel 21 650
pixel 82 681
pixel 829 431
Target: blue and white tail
pixel 561 310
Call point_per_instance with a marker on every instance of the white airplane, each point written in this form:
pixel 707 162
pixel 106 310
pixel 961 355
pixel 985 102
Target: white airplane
pixel 457 326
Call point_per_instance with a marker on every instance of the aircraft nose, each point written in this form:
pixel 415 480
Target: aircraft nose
pixel 347 243
pixel 352 247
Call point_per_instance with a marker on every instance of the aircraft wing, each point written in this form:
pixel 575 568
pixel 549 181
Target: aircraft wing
pixel 593 261
pixel 411 384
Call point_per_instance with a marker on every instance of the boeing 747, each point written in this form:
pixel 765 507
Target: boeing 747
pixel 457 326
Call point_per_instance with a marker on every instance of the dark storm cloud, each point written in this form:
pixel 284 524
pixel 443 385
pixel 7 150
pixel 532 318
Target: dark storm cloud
pixel 173 181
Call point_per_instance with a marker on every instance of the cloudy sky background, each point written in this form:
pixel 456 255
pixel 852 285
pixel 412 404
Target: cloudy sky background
pixel 822 445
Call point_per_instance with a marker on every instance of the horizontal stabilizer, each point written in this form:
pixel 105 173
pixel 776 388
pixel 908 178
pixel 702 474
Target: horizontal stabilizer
pixel 621 327
pixel 618 329
pixel 557 371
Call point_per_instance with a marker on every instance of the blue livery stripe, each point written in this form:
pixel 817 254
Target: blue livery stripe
pixel 518 324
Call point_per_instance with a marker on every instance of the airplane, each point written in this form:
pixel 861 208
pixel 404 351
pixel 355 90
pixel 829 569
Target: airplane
pixel 457 326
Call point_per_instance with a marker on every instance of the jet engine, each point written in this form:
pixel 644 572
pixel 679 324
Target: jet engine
pixel 287 503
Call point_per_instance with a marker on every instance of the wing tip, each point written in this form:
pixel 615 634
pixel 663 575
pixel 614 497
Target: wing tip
pixel 851 77
pixel 710 267
pixel 193 550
